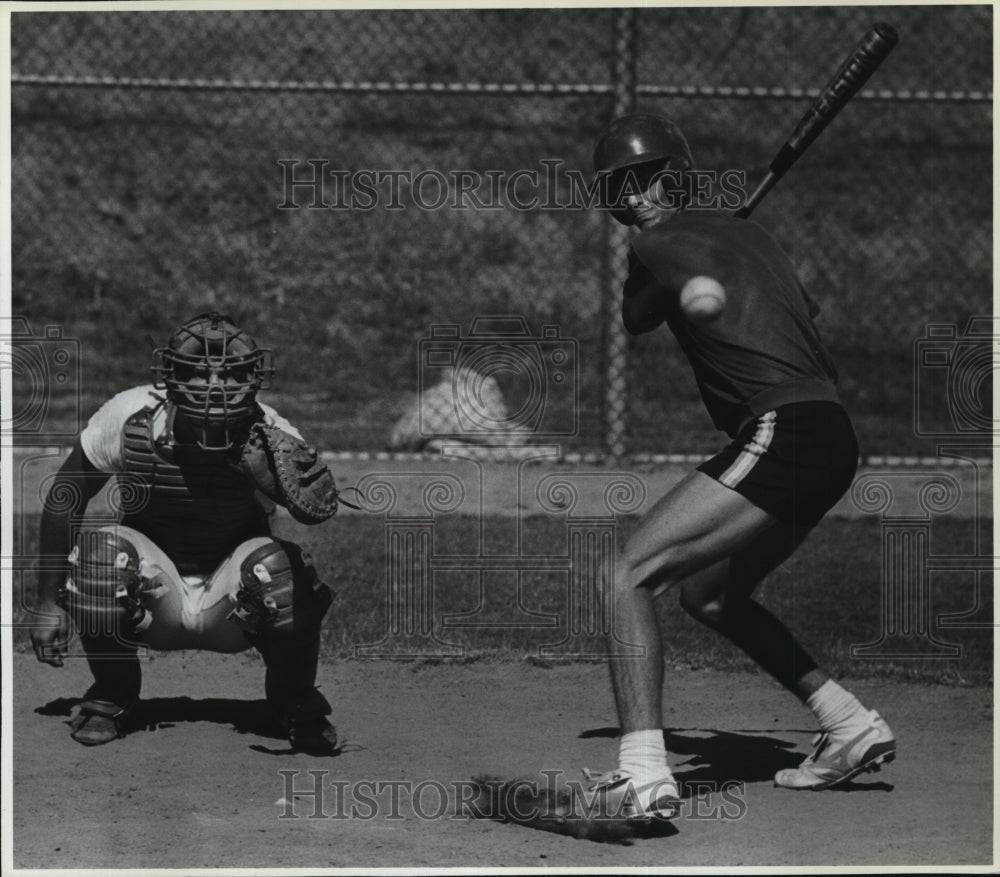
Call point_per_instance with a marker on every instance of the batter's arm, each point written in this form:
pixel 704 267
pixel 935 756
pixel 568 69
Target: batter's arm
pixel 678 271
pixel 644 301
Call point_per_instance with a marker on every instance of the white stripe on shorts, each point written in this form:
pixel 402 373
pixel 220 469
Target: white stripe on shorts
pixel 752 451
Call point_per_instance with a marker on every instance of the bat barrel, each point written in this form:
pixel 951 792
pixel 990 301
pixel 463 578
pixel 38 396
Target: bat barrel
pixel 853 73
pixel 885 34
pixel 846 82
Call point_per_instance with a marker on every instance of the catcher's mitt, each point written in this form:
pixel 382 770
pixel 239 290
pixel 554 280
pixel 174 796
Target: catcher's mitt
pixel 289 472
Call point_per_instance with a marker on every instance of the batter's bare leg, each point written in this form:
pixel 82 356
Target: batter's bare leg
pixel 723 602
pixel 696 525
pixel 856 738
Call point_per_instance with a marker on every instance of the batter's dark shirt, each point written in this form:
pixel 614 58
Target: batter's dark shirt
pixel 763 350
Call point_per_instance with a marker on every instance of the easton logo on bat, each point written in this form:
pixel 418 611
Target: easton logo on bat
pixel 848 80
pixel 853 73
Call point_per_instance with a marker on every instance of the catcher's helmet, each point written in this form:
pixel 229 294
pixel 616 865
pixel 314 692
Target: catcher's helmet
pixel 639 138
pixel 212 370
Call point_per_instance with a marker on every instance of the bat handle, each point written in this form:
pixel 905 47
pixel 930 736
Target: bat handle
pixel 758 195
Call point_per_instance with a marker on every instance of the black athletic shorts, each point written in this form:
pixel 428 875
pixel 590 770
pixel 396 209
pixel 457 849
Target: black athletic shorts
pixel 794 462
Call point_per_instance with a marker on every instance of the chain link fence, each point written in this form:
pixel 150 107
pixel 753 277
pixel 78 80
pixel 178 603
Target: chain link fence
pixel 161 166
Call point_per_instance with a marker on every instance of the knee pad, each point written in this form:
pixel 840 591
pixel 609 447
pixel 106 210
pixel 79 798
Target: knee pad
pixel 279 591
pixel 103 589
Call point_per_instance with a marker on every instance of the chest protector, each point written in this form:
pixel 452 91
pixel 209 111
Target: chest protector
pixel 200 506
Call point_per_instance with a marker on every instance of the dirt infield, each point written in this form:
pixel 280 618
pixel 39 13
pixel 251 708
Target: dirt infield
pixel 197 785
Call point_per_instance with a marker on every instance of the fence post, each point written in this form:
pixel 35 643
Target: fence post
pixel 615 349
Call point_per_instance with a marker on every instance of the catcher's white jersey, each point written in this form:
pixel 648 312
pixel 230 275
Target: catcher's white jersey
pixel 102 437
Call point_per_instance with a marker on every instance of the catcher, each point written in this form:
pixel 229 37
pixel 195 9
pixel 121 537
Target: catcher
pixel 730 296
pixel 191 563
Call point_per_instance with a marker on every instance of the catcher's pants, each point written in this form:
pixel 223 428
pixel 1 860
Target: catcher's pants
pixel 191 612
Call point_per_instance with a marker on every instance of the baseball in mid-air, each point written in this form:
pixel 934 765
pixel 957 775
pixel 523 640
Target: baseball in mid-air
pixel 703 299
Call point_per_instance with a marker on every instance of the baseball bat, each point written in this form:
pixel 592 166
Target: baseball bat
pixel 853 73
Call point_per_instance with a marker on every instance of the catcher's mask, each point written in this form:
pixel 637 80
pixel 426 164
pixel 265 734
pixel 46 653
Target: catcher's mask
pixel 212 370
pixel 632 151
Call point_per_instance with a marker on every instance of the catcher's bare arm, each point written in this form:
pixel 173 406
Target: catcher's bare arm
pixel 289 472
pixel 77 477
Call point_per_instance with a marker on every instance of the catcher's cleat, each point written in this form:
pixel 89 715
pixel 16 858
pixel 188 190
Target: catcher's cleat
pixel 616 796
pixel 314 736
pixel 98 722
pixel 831 763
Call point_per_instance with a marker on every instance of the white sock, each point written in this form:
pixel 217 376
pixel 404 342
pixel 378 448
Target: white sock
pixel 644 756
pixel 838 712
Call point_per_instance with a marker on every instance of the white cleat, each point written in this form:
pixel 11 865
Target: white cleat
pixel 833 763
pixel 621 798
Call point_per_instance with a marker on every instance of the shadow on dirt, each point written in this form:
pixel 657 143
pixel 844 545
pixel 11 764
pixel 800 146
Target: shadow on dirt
pixel 161 713
pixel 157 713
pixel 531 802
pixel 719 757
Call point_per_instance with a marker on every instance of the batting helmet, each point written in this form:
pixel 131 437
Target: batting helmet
pixel 212 370
pixel 633 150
pixel 639 138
